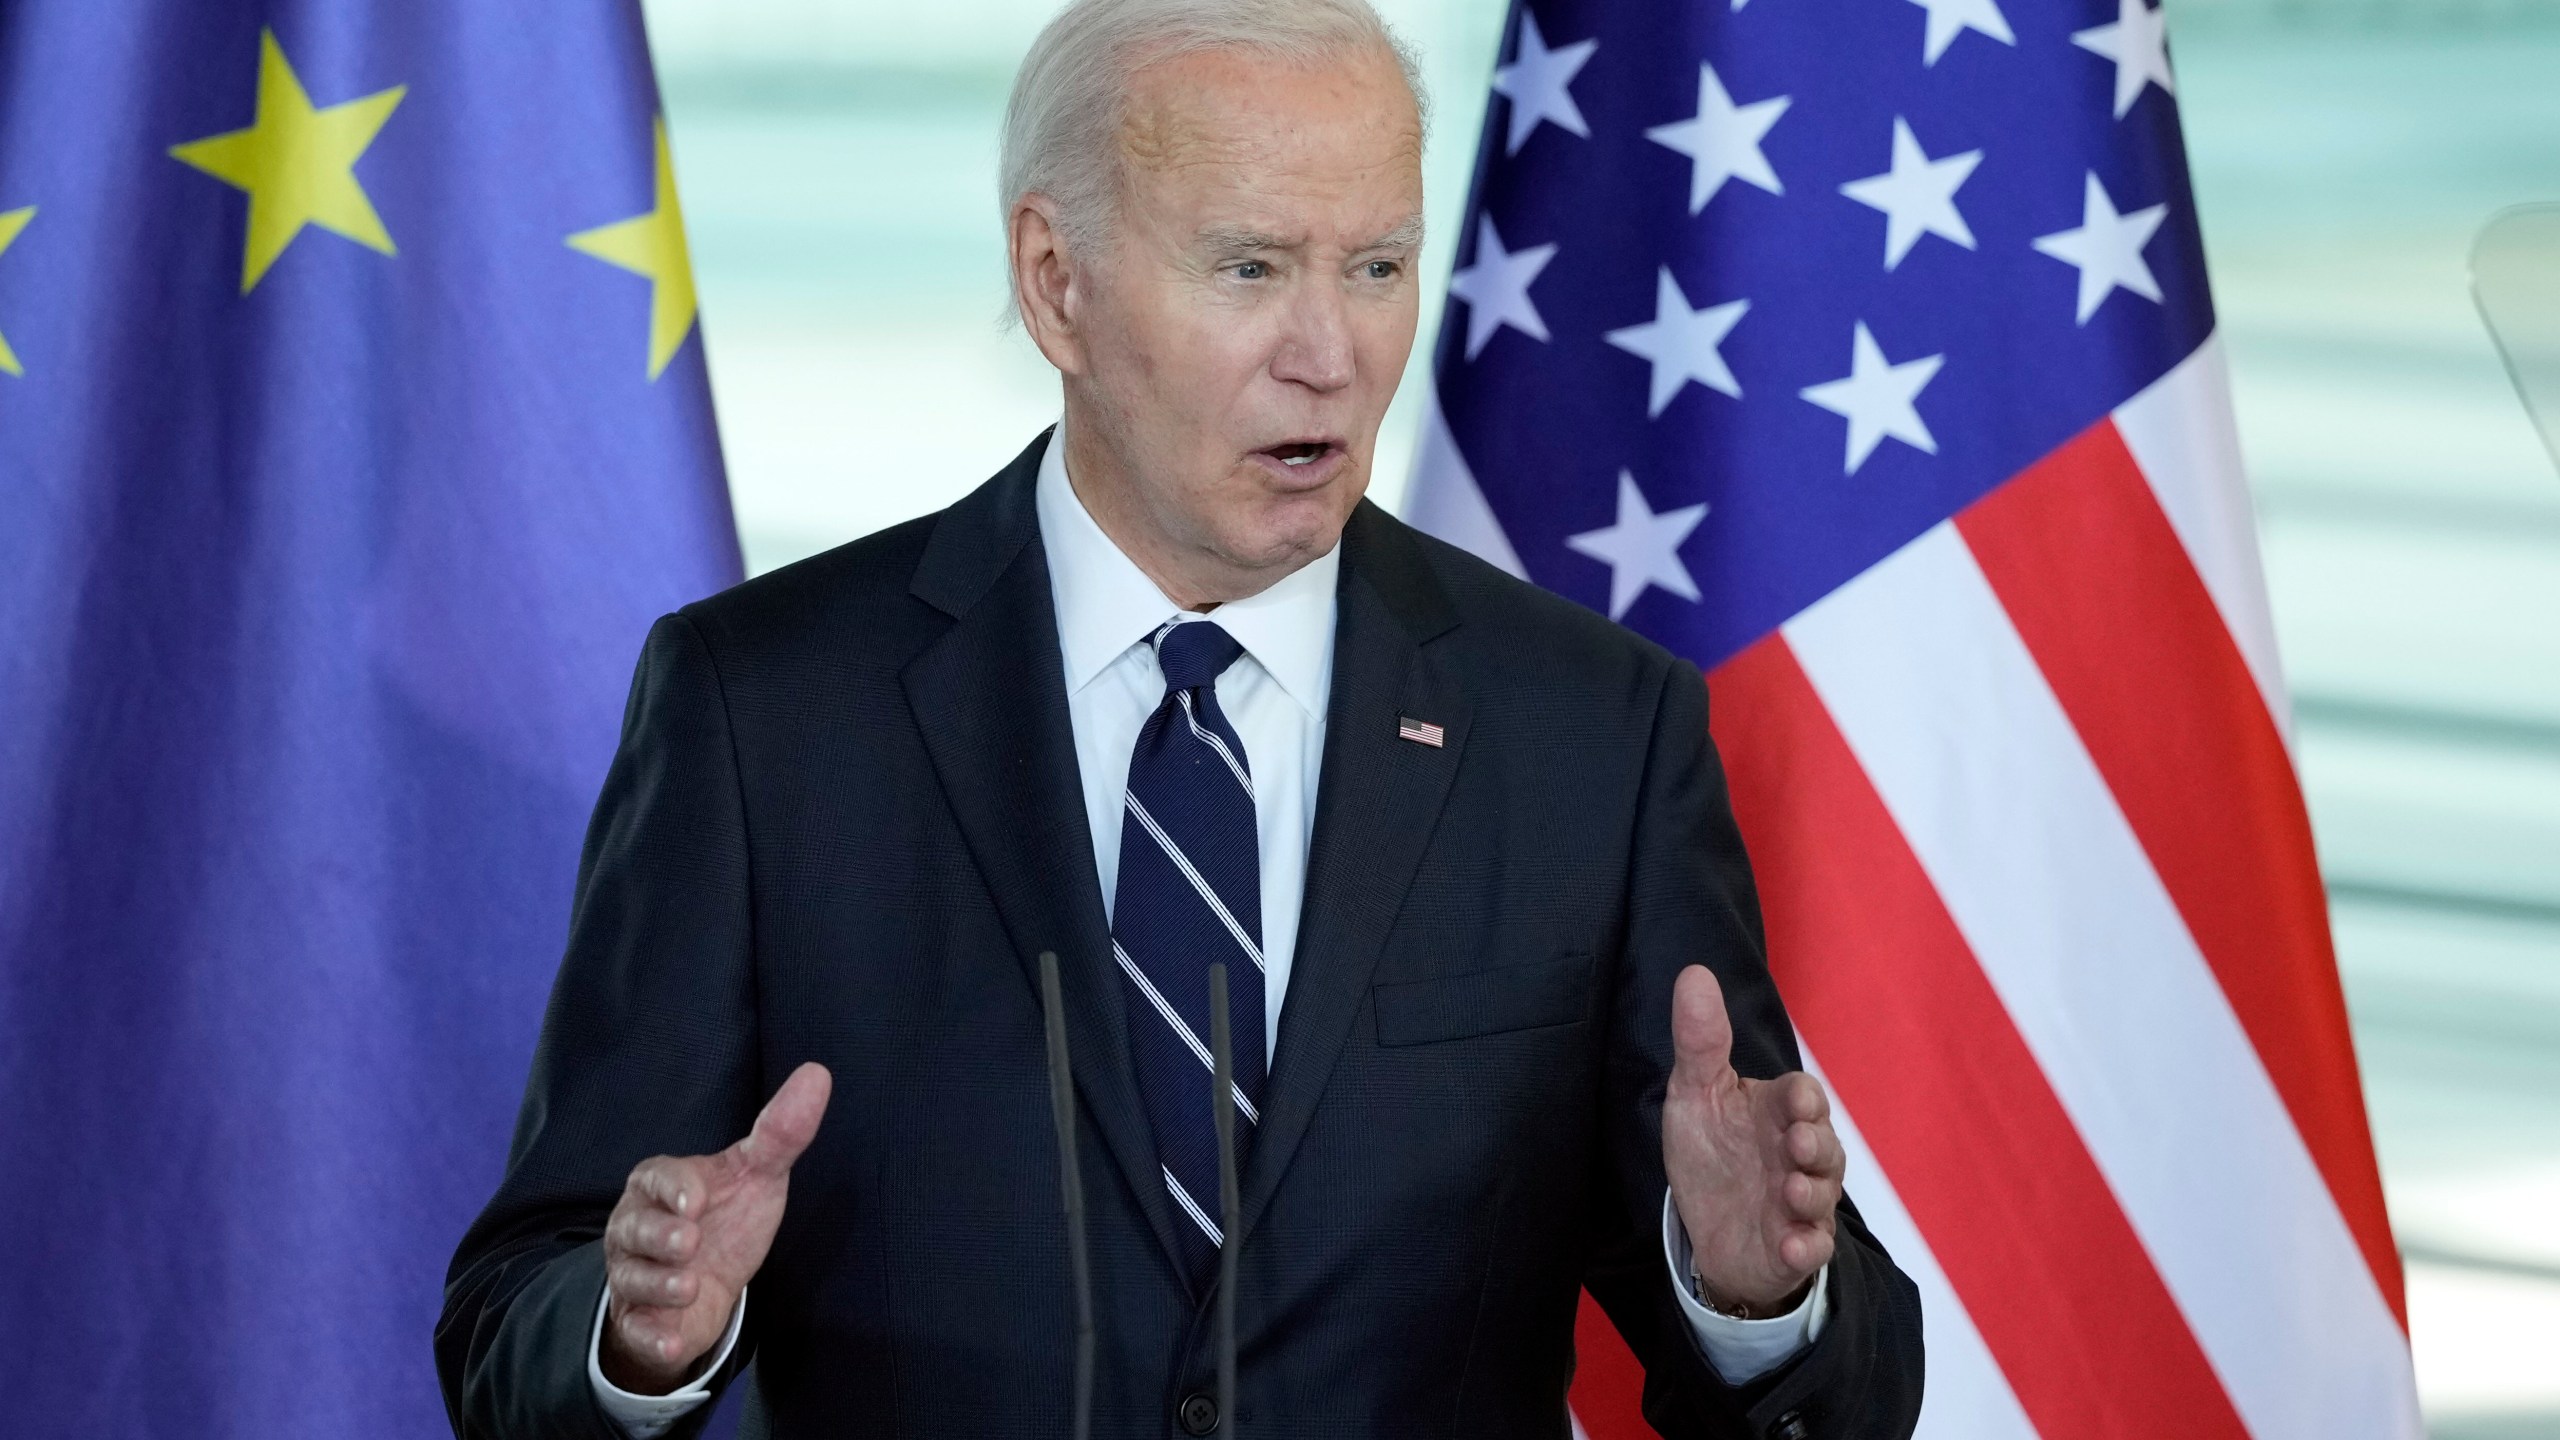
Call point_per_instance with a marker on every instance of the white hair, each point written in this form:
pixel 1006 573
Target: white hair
pixel 1061 127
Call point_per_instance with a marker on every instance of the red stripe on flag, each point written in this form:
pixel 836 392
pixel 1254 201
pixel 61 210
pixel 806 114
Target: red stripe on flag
pixel 2102 591
pixel 1608 1380
pixel 1891 999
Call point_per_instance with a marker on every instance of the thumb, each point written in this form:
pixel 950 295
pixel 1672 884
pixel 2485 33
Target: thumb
pixel 1701 1034
pixel 788 1122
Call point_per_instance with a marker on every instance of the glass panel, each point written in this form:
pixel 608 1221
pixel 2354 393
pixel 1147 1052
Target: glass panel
pixel 2515 277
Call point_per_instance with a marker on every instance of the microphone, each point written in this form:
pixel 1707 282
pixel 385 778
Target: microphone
pixel 1062 1108
pixel 1222 1105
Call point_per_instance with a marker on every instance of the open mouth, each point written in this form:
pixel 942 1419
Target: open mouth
pixel 1299 452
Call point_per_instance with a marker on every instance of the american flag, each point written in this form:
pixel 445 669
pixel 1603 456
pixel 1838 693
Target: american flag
pixel 1860 350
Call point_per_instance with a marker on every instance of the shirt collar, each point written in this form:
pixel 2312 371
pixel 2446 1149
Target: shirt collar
pixel 1106 603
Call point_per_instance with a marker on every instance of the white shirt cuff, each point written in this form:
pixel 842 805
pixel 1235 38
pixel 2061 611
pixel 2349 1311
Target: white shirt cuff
pixel 1742 1350
pixel 645 1417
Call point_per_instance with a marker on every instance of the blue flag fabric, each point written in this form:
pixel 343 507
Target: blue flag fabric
pixel 351 433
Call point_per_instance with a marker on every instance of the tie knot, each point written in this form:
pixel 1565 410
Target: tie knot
pixel 1194 653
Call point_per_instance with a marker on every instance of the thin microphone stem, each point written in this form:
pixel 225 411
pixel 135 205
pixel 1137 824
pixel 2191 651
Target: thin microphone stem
pixel 1062 1108
pixel 1222 1069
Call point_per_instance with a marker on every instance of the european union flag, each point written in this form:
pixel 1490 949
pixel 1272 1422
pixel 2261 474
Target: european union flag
pixel 352 430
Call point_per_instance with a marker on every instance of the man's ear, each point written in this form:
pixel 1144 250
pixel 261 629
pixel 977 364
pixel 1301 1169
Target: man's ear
pixel 1047 292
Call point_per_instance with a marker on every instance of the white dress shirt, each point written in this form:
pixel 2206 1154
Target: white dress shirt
pixel 1274 695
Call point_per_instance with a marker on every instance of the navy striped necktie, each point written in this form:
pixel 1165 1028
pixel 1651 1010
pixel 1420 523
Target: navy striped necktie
pixel 1190 896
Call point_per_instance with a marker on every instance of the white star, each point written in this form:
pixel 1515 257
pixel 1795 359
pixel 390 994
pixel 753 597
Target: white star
pixel 1642 548
pixel 1536 80
pixel 1681 343
pixel 1917 196
pixel 2108 248
pixel 1876 399
pixel 1496 288
pixel 1950 18
pixel 2139 44
pixel 1723 141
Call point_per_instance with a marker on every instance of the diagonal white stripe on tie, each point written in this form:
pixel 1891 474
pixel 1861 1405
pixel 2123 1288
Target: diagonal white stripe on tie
pixel 1165 1008
pixel 1182 862
pixel 1191 1207
pixel 1210 739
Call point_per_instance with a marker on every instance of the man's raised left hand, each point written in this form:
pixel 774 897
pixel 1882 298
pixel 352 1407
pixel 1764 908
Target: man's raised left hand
pixel 1755 1167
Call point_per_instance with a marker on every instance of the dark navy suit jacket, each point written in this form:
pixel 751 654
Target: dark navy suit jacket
pixel 843 821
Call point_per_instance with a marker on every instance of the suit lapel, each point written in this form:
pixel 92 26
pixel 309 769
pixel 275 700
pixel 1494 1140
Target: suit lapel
pixel 990 700
pixel 1376 804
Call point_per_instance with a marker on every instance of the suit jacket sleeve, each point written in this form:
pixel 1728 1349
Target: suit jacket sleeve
pixel 1691 902
pixel 648 1048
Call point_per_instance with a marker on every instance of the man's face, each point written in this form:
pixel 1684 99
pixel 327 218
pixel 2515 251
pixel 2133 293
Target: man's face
pixel 1254 307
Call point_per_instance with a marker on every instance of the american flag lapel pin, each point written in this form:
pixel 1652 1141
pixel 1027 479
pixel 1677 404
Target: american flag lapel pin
pixel 1420 732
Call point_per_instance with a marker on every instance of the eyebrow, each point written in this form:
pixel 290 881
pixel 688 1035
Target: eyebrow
pixel 1236 237
pixel 1407 236
pixel 1230 239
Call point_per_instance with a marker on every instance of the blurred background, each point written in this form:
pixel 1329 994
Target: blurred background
pixel 838 162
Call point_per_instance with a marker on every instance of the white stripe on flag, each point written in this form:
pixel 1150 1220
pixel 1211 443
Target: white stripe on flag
pixel 1974 758
pixel 1443 498
pixel 2181 432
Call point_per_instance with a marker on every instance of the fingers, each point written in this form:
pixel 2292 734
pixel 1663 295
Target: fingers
pixel 1809 1199
pixel 1802 1110
pixel 647 1242
pixel 1809 1193
pixel 652 1334
pixel 1811 1188
pixel 652 1232
pixel 1813 1147
pixel 788 1122
pixel 1701 1034
pixel 1808 1205
pixel 1806 1250
pixel 1803 1097
pixel 647 1283
pixel 674 1183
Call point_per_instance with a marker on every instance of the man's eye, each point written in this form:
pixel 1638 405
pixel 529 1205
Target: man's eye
pixel 1381 269
pixel 1252 270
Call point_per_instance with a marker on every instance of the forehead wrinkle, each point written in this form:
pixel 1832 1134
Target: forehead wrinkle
pixel 1162 126
pixel 1158 131
pixel 1192 130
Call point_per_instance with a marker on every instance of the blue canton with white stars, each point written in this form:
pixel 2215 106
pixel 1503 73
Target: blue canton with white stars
pixel 1751 294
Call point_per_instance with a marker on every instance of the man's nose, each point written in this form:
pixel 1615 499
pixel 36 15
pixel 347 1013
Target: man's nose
pixel 1315 348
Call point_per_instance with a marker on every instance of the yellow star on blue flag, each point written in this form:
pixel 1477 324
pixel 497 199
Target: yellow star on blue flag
pixel 11 222
pixel 297 162
pixel 653 245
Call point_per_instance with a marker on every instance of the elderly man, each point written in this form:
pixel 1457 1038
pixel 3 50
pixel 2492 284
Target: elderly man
pixel 1168 693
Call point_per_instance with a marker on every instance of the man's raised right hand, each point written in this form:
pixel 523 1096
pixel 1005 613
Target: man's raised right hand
pixel 690 1232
